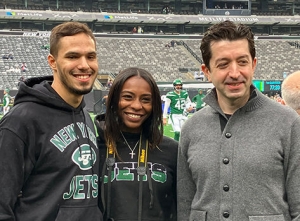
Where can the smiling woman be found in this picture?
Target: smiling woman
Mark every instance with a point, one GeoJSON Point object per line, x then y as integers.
{"type": "Point", "coordinates": [141, 161]}
{"type": "Point", "coordinates": [135, 104]}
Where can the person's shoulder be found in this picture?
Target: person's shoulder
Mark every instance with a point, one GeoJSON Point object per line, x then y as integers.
{"type": "Point", "coordinates": [197, 119]}
{"type": "Point", "coordinates": [31, 111]}
{"type": "Point", "coordinates": [184, 92]}
{"type": "Point", "coordinates": [275, 106]}
{"type": "Point", "coordinates": [170, 94]}
{"type": "Point", "coordinates": [275, 109]}
{"type": "Point", "coordinates": [285, 110]}
{"type": "Point", "coordinates": [168, 145]}
{"type": "Point", "coordinates": [20, 116]}
{"type": "Point", "coordinates": [170, 141]}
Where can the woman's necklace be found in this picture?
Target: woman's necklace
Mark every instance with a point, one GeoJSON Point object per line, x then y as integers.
{"type": "Point", "coordinates": [132, 150]}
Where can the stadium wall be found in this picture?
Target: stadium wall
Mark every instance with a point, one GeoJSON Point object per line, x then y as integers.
{"type": "Point", "coordinates": [141, 36]}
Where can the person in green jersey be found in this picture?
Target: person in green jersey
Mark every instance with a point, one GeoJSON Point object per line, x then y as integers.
{"type": "Point", "coordinates": [180, 104]}
{"type": "Point", "coordinates": [198, 100]}
{"type": "Point", "coordinates": [6, 99]}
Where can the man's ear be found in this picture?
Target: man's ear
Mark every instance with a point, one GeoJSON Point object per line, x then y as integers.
{"type": "Point", "coordinates": [206, 72]}
{"type": "Point", "coordinates": [51, 62]}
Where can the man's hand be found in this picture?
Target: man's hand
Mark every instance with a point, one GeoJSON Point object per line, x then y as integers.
{"type": "Point", "coordinates": [190, 109]}
{"type": "Point", "coordinates": [165, 121]}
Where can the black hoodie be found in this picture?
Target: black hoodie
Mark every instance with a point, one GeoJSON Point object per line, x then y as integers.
{"type": "Point", "coordinates": [50, 160]}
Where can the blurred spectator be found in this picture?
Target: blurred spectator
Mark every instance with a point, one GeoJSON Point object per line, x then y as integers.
{"type": "Point", "coordinates": [163, 99]}
{"type": "Point", "coordinates": [103, 102]}
{"type": "Point", "coordinates": [173, 43]}
{"type": "Point", "coordinates": [6, 101]}
{"type": "Point", "coordinates": [278, 98]}
{"type": "Point", "coordinates": [284, 75]}
{"type": "Point", "coordinates": [109, 84]}
{"type": "Point", "coordinates": [166, 10]}
{"type": "Point", "coordinates": [8, 56]}
{"type": "Point", "coordinates": [199, 76]}
{"type": "Point", "coordinates": [198, 100]}
{"type": "Point", "coordinates": [23, 67]}
{"type": "Point", "coordinates": [21, 79]}
{"type": "Point", "coordinates": [134, 30]}
{"type": "Point", "coordinates": [140, 30]}
{"type": "Point", "coordinates": [46, 47]}
{"type": "Point", "coordinates": [170, 44]}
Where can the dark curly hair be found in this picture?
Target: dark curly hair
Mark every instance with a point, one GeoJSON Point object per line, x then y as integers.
{"type": "Point", "coordinates": [226, 30]}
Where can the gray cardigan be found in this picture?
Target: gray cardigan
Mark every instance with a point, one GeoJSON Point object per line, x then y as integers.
{"type": "Point", "coordinates": [248, 172]}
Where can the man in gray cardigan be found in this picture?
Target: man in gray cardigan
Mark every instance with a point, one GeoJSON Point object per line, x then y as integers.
{"type": "Point", "coordinates": [239, 157]}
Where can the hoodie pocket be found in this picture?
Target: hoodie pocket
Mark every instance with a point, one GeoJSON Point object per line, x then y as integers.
{"type": "Point", "coordinates": [79, 213]}
{"type": "Point", "coordinates": [267, 218]}
{"type": "Point", "coordinates": [197, 215]}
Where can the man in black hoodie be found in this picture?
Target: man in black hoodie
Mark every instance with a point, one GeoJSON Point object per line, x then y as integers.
{"type": "Point", "coordinates": [49, 165]}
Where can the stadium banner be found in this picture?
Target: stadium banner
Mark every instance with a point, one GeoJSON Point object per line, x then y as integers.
{"type": "Point", "coordinates": [144, 18]}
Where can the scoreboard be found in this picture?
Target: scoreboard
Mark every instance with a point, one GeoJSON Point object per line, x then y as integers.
{"type": "Point", "coordinates": [272, 85]}
{"type": "Point", "coordinates": [227, 7]}
{"type": "Point", "coordinates": [267, 85]}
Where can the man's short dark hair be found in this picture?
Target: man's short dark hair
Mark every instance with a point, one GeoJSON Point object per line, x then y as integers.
{"type": "Point", "coordinates": [226, 30]}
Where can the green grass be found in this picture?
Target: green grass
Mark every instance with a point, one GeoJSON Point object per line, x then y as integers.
{"type": "Point", "coordinates": [168, 131]}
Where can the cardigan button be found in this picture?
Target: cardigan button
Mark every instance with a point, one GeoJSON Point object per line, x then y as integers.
{"type": "Point", "coordinates": [226, 188]}
{"type": "Point", "coordinates": [226, 214]}
{"type": "Point", "coordinates": [228, 135]}
{"type": "Point", "coordinates": [225, 160]}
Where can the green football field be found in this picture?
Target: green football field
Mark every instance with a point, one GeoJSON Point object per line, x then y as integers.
{"type": "Point", "coordinates": [167, 129]}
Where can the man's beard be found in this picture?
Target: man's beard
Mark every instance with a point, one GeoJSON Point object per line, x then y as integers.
{"type": "Point", "coordinates": [70, 88]}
